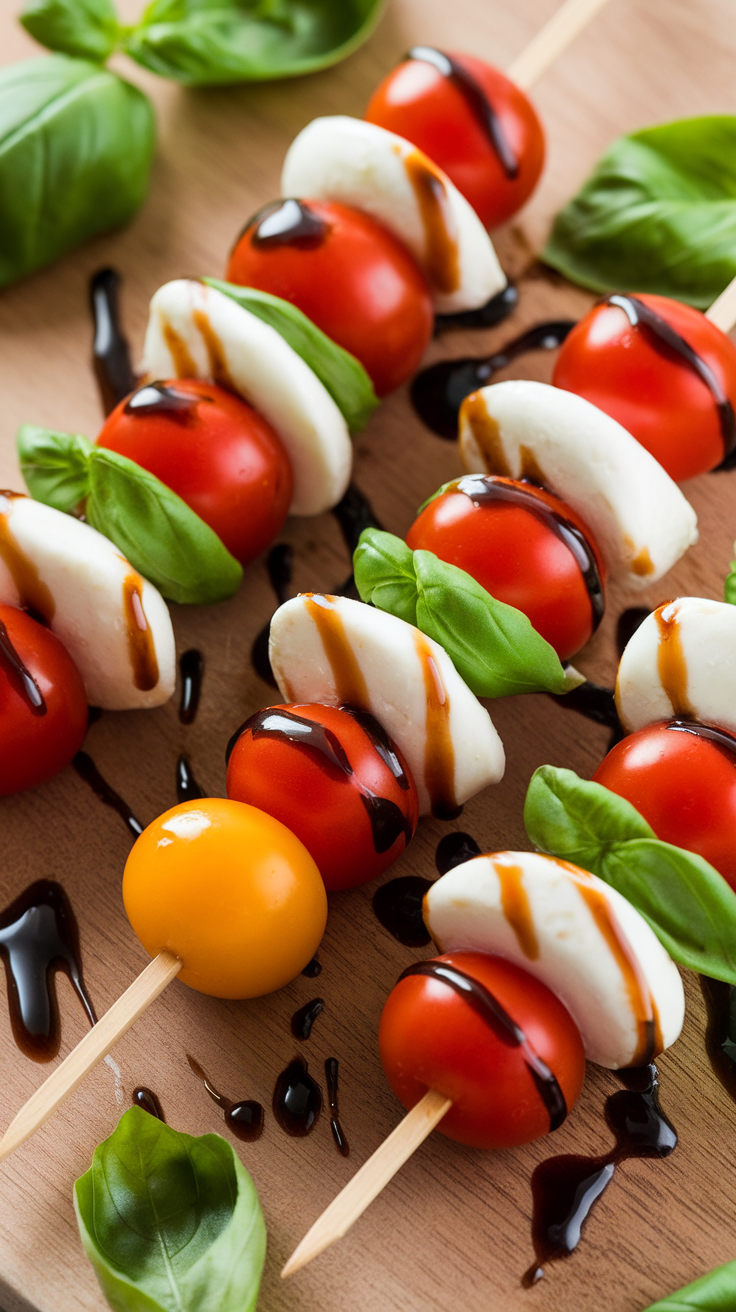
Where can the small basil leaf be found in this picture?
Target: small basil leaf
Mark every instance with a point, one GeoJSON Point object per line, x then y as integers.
{"type": "Point", "coordinates": [383, 566]}
{"type": "Point", "coordinates": [656, 215]}
{"type": "Point", "coordinates": [729, 586]}
{"type": "Point", "coordinates": [170, 1223]}
{"type": "Point", "coordinates": [211, 42]}
{"type": "Point", "coordinates": [715, 1292]}
{"type": "Point", "coordinates": [340, 373]}
{"type": "Point", "coordinates": [87, 28]}
{"type": "Point", "coordinates": [55, 466]}
{"type": "Point", "coordinates": [577, 819]}
{"type": "Point", "coordinates": [157, 532]}
{"type": "Point", "coordinates": [76, 144]}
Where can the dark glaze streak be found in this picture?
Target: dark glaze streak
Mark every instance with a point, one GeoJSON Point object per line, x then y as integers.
{"type": "Point", "coordinates": [288, 223]}
{"type": "Point", "coordinates": [87, 770]}
{"type": "Point", "coordinates": [398, 907]}
{"type": "Point", "coordinates": [110, 350]}
{"type": "Point", "coordinates": [503, 1026]}
{"type": "Point", "coordinates": [163, 399]}
{"type": "Point", "coordinates": [494, 311]}
{"type": "Point", "coordinates": [663, 337]}
{"type": "Point", "coordinates": [303, 1019]}
{"type": "Point", "coordinates": [38, 936]}
{"type": "Point", "coordinates": [438, 392]}
{"type": "Point", "coordinates": [297, 1100]}
{"type": "Point", "coordinates": [627, 624]}
{"type": "Point", "coordinates": [187, 788]}
{"type": "Point", "coordinates": [719, 737]}
{"type": "Point", "coordinates": [565, 1188]}
{"type": "Point", "coordinates": [338, 1134]}
{"type": "Point", "coordinates": [454, 850]}
{"type": "Point", "coordinates": [720, 1034]}
{"type": "Point", "coordinates": [280, 565]}
{"type": "Point", "coordinates": [148, 1102]}
{"type": "Point", "coordinates": [313, 969]}
{"type": "Point", "coordinates": [191, 669]}
{"type": "Point", "coordinates": [20, 676]}
{"type": "Point", "coordinates": [477, 101]}
{"type": "Point", "coordinates": [245, 1119]}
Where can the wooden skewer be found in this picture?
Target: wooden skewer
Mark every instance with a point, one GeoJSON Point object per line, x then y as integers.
{"type": "Point", "coordinates": [556, 35]}
{"type": "Point", "coordinates": [372, 1177]}
{"type": "Point", "coordinates": [94, 1046]}
{"type": "Point", "coordinates": [723, 310]}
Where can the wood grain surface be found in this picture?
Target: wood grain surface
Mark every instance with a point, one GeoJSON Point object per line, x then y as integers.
{"type": "Point", "coordinates": [452, 1231]}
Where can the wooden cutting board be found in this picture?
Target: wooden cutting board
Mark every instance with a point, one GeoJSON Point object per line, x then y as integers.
{"type": "Point", "coordinates": [452, 1232]}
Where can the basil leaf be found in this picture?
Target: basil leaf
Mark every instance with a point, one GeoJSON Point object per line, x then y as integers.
{"type": "Point", "coordinates": [55, 466]}
{"type": "Point", "coordinates": [715, 1292]}
{"type": "Point", "coordinates": [729, 586]}
{"type": "Point", "coordinates": [88, 28]}
{"type": "Point", "coordinates": [76, 144]}
{"type": "Point", "coordinates": [170, 1223]}
{"type": "Point", "coordinates": [158, 532]}
{"type": "Point", "coordinates": [690, 907]}
{"type": "Point", "coordinates": [656, 215]}
{"type": "Point", "coordinates": [210, 42]}
{"type": "Point", "coordinates": [493, 646]}
{"type": "Point", "coordinates": [340, 373]}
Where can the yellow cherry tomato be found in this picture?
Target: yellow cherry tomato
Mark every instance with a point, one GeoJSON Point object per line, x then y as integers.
{"type": "Point", "coordinates": [231, 891]}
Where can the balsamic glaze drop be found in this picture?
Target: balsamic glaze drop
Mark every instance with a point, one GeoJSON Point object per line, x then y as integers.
{"type": "Point", "coordinates": [288, 223]}
{"type": "Point", "coordinates": [20, 676]}
{"type": "Point", "coordinates": [297, 1100]}
{"type": "Point", "coordinates": [720, 1034]}
{"type": "Point", "coordinates": [164, 399]}
{"type": "Point", "coordinates": [244, 1118]}
{"type": "Point", "coordinates": [313, 969]}
{"type": "Point", "coordinates": [38, 936]}
{"type": "Point", "coordinates": [477, 101]}
{"type": "Point", "coordinates": [191, 670]}
{"type": "Point", "coordinates": [454, 850]}
{"type": "Point", "coordinates": [494, 311]}
{"type": "Point", "coordinates": [438, 392]}
{"type": "Point", "coordinates": [87, 770]}
{"type": "Point", "coordinates": [148, 1102]}
{"type": "Point", "coordinates": [303, 1019]}
{"type": "Point", "coordinates": [110, 350]}
{"type": "Point", "coordinates": [187, 788]}
{"type": "Point", "coordinates": [280, 565]}
{"type": "Point", "coordinates": [338, 1134]}
{"type": "Point", "coordinates": [627, 624]}
{"type": "Point", "coordinates": [398, 907]}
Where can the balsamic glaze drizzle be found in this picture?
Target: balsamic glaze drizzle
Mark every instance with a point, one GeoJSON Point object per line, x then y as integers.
{"type": "Point", "coordinates": [244, 1118]}
{"type": "Point", "coordinates": [720, 1034]}
{"type": "Point", "coordinates": [20, 676]}
{"type": "Point", "coordinates": [87, 770]}
{"type": "Point", "coordinates": [288, 223]}
{"type": "Point", "coordinates": [338, 1134]}
{"type": "Point", "coordinates": [313, 969]}
{"type": "Point", "coordinates": [191, 670]}
{"type": "Point", "coordinates": [164, 399]}
{"type": "Point", "coordinates": [303, 1019]}
{"type": "Point", "coordinates": [147, 1100]}
{"type": "Point", "coordinates": [454, 850]}
{"type": "Point", "coordinates": [480, 106]}
{"type": "Point", "coordinates": [38, 936]}
{"type": "Point", "coordinates": [280, 566]}
{"type": "Point", "coordinates": [397, 906]}
{"type": "Point", "coordinates": [110, 350]}
{"type": "Point", "coordinates": [498, 308]}
{"type": "Point", "coordinates": [719, 737]}
{"type": "Point", "coordinates": [187, 788]}
{"type": "Point", "coordinates": [297, 1100]}
{"type": "Point", "coordinates": [438, 392]}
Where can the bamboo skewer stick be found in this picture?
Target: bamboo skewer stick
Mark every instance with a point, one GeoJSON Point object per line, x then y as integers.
{"type": "Point", "coordinates": [563, 27]}
{"type": "Point", "coordinates": [723, 310]}
{"type": "Point", "coordinates": [93, 1047]}
{"type": "Point", "coordinates": [372, 1177]}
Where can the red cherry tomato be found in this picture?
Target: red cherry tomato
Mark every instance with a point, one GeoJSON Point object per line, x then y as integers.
{"type": "Point", "coordinates": [215, 451]}
{"type": "Point", "coordinates": [335, 779]}
{"type": "Point", "coordinates": [35, 743]}
{"type": "Point", "coordinates": [431, 110]}
{"type": "Point", "coordinates": [650, 389]}
{"type": "Point", "coordinates": [684, 784]}
{"type": "Point", "coordinates": [352, 278]}
{"type": "Point", "coordinates": [430, 1037]}
{"type": "Point", "coordinates": [502, 532]}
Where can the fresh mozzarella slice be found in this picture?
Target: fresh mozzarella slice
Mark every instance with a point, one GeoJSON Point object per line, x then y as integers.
{"type": "Point", "coordinates": [195, 331]}
{"type": "Point", "coordinates": [580, 937]}
{"type": "Point", "coordinates": [346, 160]}
{"type": "Point", "coordinates": [640, 519]}
{"type": "Point", "coordinates": [680, 662]}
{"type": "Point", "coordinates": [341, 652]}
{"type": "Point", "coordinates": [114, 624]}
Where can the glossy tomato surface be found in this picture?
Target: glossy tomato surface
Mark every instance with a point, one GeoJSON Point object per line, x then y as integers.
{"type": "Point", "coordinates": [501, 532]}
{"type": "Point", "coordinates": [353, 279]}
{"type": "Point", "coordinates": [649, 388]}
{"type": "Point", "coordinates": [43, 705]}
{"type": "Point", "coordinates": [336, 779]}
{"type": "Point", "coordinates": [430, 1037]}
{"type": "Point", "coordinates": [431, 110]}
{"type": "Point", "coordinates": [215, 451]}
{"type": "Point", "coordinates": [684, 784]}
{"type": "Point", "coordinates": [231, 892]}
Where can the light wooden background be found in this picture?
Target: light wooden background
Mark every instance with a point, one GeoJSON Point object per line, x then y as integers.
{"type": "Point", "coordinates": [451, 1234]}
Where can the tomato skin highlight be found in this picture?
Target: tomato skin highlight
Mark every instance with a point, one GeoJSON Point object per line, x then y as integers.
{"type": "Point", "coordinates": [515, 557]}
{"type": "Point", "coordinates": [683, 785]}
{"type": "Point", "coordinates": [655, 395]}
{"type": "Point", "coordinates": [359, 285]}
{"type": "Point", "coordinates": [419, 103]}
{"type": "Point", "coordinates": [431, 1038]}
{"type": "Point", "coordinates": [33, 748]}
{"type": "Point", "coordinates": [221, 457]}
{"type": "Point", "coordinates": [318, 801]}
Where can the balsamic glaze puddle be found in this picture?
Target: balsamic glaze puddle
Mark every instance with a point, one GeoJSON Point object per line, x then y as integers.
{"type": "Point", "coordinates": [244, 1118]}
{"type": "Point", "coordinates": [354, 514]}
{"type": "Point", "coordinates": [191, 670]}
{"type": "Point", "coordinates": [565, 1188]}
{"type": "Point", "coordinates": [720, 1034]}
{"type": "Point", "coordinates": [297, 1100]}
{"type": "Point", "coordinates": [187, 788]}
{"type": "Point", "coordinates": [303, 1019]}
{"type": "Point", "coordinates": [494, 311]}
{"type": "Point", "coordinates": [280, 566]}
{"type": "Point", "coordinates": [110, 350]}
{"type": "Point", "coordinates": [20, 676]}
{"type": "Point", "coordinates": [438, 392]}
{"type": "Point", "coordinates": [313, 969]}
{"type": "Point", "coordinates": [87, 770]}
{"type": "Point", "coordinates": [147, 1100]}
{"type": "Point", "coordinates": [398, 907]}
{"type": "Point", "coordinates": [338, 1134]}
{"type": "Point", "coordinates": [477, 101]}
{"type": "Point", "coordinates": [454, 850]}
{"type": "Point", "coordinates": [38, 936]}
{"type": "Point", "coordinates": [288, 223]}
{"type": "Point", "coordinates": [627, 624]}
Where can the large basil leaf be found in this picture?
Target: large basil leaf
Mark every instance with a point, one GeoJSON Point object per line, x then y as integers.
{"type": "Point", "coordinates": [690, 907]}
{"type": "Point", "coordinates": [492, 645]}
{"type": "Point", "coordinates": [170, 1223]}
{"type": "Point", "coordinates": [88, 28]}
{"type": "Point", "coordinates": [656, 215]}
{"type": "Point", "coordinates": [715, 1292]}
{"type": "Point", "coordinates": [210, 42]}
{"type": "Point", "coordinates": [55, 466]}
{"type": "Point", "coordinates": [729, 586]}
{"type": "Point", "coordinates": [340, 373]}
{"type": "Point", "coordinates": [76, 144]}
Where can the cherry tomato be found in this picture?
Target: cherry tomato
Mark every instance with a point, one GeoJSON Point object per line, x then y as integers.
{"type": "Point", "coordinates": [43, 705]}
{"type": "Point", "coordinates": [435, 113]}
{"type": "Point", "coordinates": [229, 890]}
{"type": "Point", "coordinates": [648, 387]}
{"type": "Point", "coordinates": [683, 781]}
{"type": "Point", "coordinates": [430, 1037]}
{"type": "Point", "coordinates": [336, 779]}
{"type": "Point", "coordinates": [215, 451]}
{"type": "Point", "coordinates": [351, 277]}
{"type": "Point", "coordinates": [506, 535]}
